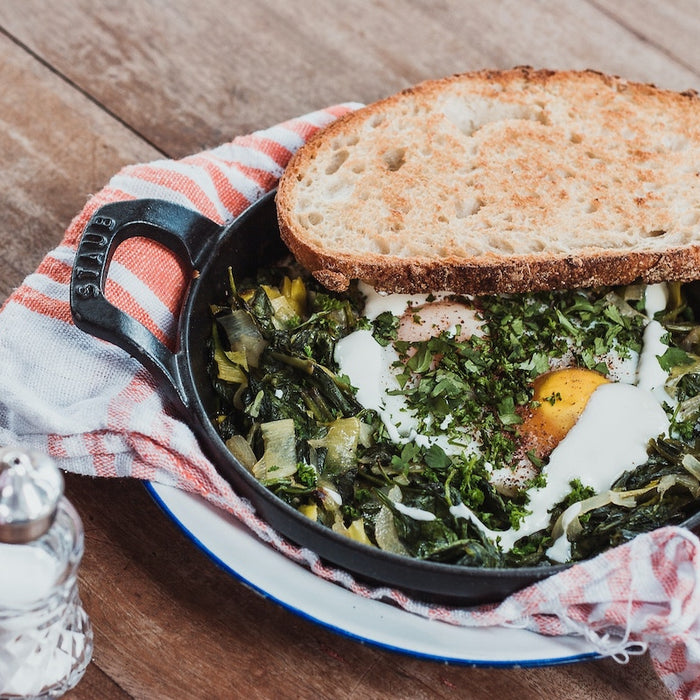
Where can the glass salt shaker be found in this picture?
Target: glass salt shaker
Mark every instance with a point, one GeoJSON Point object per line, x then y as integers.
{"type": "Point", "coordinates": [45, 634]}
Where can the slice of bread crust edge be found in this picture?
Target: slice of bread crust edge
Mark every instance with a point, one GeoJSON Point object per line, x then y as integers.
{"type": "Point", "coordinates": [646, 253]}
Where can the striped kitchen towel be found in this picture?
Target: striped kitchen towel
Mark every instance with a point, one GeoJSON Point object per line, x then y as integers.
{"type": "Point", "coordinates": [98, 412]}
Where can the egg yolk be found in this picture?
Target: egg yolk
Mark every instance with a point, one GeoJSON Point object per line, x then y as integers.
{"type": "Point", "coordinates": [558, 400]}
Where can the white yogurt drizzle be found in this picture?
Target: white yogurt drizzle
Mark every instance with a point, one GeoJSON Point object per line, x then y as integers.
{"type": "Point", "coordinates": [415, 513]}
{"type": "Point", "coordinates": [365, 362]}
{"type": "Point", "coordinates": [650, 375]}
{"type": "Point", "coordinates": [609, 438]}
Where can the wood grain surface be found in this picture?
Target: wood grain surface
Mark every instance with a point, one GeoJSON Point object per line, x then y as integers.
{"type": "Point", "coordinates": [89, 86]}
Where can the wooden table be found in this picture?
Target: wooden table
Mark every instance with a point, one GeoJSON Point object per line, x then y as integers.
{"type": "Point", "coordinates": [88, 87]}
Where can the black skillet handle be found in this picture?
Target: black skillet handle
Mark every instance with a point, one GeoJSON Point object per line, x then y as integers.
{"type": "Point", "coordinates": [187, 234]}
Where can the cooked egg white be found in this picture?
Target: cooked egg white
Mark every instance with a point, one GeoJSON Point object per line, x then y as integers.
{"type": "Point", "coordinates": [415, 513]}
{"type": "Point", "coordinates": [430, 319]}
{"type": "Point", "coordinates": [592, 428]}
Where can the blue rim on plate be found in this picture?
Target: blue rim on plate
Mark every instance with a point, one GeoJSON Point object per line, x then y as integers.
{"type": "Point", "coordinates": [272, 575]}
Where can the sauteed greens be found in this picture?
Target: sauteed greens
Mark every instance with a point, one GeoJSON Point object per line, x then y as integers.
{"type": "Point", "coordinates": [291, 418]}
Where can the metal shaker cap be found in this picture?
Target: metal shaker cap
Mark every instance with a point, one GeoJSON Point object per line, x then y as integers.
{"type": "Point", "coordinates": [31, 486]}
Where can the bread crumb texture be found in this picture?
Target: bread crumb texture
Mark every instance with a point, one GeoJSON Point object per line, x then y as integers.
{"type": "Point", "coordinates": [490, 165]}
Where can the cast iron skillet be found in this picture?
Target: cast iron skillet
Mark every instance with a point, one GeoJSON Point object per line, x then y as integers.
{"type": "Point", "coordinates": [208, 250]}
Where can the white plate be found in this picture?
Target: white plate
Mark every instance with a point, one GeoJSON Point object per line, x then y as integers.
{"type": "Point", "coordinates": [264, 569]}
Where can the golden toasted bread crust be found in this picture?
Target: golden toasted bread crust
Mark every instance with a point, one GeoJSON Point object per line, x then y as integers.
{"type": "Point", "coordinates": [501, 181]}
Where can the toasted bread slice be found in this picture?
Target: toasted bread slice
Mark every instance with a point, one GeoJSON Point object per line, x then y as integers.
{"type": "Point", "coordinates": [501, 181]}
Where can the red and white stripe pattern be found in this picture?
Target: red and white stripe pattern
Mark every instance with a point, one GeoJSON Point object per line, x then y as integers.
{"type": "Point", "coordinates": [98, 412]}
